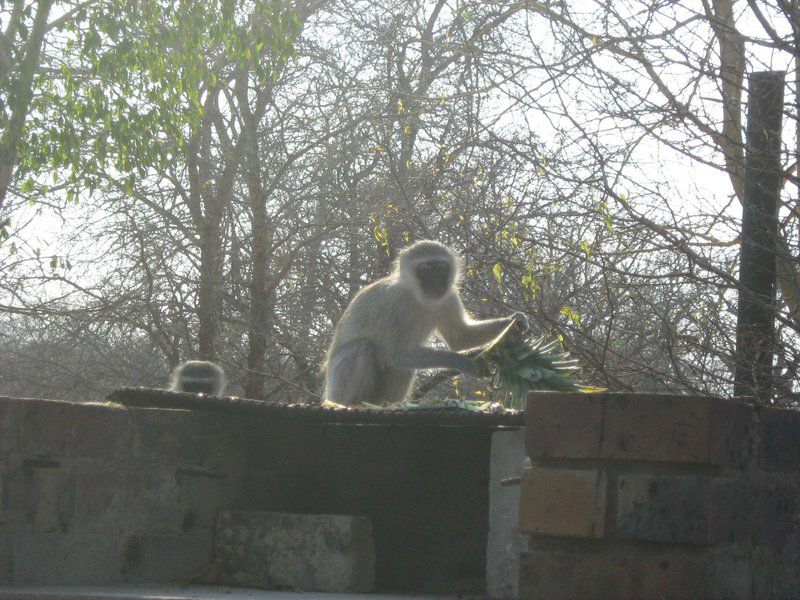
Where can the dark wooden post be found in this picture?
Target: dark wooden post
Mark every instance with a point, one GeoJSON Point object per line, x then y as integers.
{"type": "Point", "coordinates": [755, 331]}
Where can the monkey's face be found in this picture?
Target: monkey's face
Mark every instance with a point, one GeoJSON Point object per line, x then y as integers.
{"type": "Point", "coordinates": [434, 277]}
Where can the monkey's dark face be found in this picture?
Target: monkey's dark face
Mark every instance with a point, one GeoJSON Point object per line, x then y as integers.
{"type": "Point", "coordinates": [434, 277]}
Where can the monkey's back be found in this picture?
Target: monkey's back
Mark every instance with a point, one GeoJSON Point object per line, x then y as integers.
{"type": "Point", "coordinates": [381, 308]}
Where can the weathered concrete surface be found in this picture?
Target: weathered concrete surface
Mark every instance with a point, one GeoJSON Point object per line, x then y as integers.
{"type": "Point", "coordinates": [505, 543]}
{"type": "Point", "coordinates": [328, 553]}
{"type": "Point", "coordinates": [184, 593]}
{"type": "Point", "coordinates": [100, 494]}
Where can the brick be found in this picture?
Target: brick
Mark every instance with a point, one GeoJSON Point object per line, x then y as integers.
{"type": "Point", "coordinates": [162, 558]}
{"type": "Point", "coordinates": [689, 429]}
{"type": "Point", "coordinates": [66, 559]}
{"type": "Point", "coordinates": [643, 427]}
{"type": "Point", "coordinates": [549, 575]}
{"type": "Point", "coordinates": [329, 553]}
{"type": "Point", "coordinates": [664, 509]}
{"type": "Point", "coordinates": [563, 502]}
{"type": "Point", "coordinates": [779, 439]}
{"type": "Point", "coordinates": [707, 511]}
{"type": "Point", "coordinates": [564, 425]}
{"type": "Point", "coordinates": [759, 513]}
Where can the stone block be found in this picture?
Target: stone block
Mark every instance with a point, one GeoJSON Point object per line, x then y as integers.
{"type": "Point", "coordinates": [664, 509]}
{"type": "Point", "coordinates": [16, 493]}
{"type": "Point", "coordinates": [101, 496]}
{"type": "Point", "coordinates": [45, 428]}
{"type": "Point", "coordinates": [777, 582]}
{"type": "Point", "coordinates": [9, 420]}
{"type": "Point", "coordinates": [202, 495]}
{"type": "Point", "coordinates": [564, 425]}
{"type": "Point", "coordinates": [329, 553]}
{"type": "Point", "coordinates": [548, 575]}
{"type": "Point", "coordinates": [104, 432]}
{"type": "Point", "coordinates": [154, 499]}
{"type": "Point", "coordinates": [779, 439]}
{"type": "Point", "coordinates": [183, 438]}
{"type": "Point", "coordinates": [66, 559]}
{"type": "Point", "coordinates": [641, 427]}
{"type": "Point", "coordinates": [6, 558]}
{"type": "Point", "coordinates": [48, 498]}
{"type": "Point", "coordinates": [563, 502]}
{"type": "Point", "coordinates": [504, 543]}
{"type": "Point", "coordinates": [162, 558]}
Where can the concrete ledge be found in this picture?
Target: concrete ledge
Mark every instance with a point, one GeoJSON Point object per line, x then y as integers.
{"type": "Point", "coordinates": [180, 593]}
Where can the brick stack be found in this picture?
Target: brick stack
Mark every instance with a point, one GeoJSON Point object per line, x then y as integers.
{"type": "Point", "coordinates": [654, 496]}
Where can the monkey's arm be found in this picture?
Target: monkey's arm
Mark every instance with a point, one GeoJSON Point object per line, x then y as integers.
{"type": "Point", "coordinates": [460, 332]}
{"type": "Point", "coordinates": [434, 358]}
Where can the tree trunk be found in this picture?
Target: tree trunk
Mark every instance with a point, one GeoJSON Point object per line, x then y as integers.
{"type": "Point", "coordinates": [22, 98]}
{"type": "Point", "coordinates": [757, 273]}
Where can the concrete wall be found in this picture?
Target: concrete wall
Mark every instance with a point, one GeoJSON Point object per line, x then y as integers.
{"type": "Point", "coordinates": [96, 494]}
{"type": "Point", "coordinates": [643, 496]}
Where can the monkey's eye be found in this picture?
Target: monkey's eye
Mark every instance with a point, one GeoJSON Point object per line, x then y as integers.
{"type": "Point", "coordinates": [425, 269]}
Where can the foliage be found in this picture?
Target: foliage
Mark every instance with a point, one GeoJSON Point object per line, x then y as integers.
{"type": "Point", "coordinates": [519, 364]}
{"type": "Point", "coordinates": [131, 82]}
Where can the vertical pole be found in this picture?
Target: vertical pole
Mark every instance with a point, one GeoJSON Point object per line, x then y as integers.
{"type": "Point", "coordinates": [755, 331]}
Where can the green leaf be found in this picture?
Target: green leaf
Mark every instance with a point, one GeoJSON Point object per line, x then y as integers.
{"type": "Point", "coordinates": [497, 271]}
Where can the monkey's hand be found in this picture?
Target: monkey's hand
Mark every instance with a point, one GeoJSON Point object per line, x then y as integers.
{"type": "Point", "coordinates": [521, 325]}
{"type": "Point", "coordinates": [477, 367]}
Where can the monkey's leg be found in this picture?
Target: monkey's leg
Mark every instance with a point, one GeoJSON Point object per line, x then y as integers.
{"type": "Point", "coordinates": [353, 374]}
{"type": "Point", "coordinates": [395, 387]}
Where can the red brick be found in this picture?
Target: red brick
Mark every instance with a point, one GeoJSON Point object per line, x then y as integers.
{"type": "Point", "coordinates": [553, 575]}
{"type": "Point", "coordinates": [564, 425]}
{"type": "Point", "coordinates": [563, 502]}
{"type": "Point", "coordinates": [687, 429]}
{"type": "Point", "coordinates": [642, 427]}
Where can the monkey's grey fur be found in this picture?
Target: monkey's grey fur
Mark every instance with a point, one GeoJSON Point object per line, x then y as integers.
{"type": "Point", "coordinates": [198, 377]}
{"type": "Point", "coordinates": [380, 339]}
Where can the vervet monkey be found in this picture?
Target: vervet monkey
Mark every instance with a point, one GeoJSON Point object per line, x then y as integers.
{"type": "Point", "coordinates": [198, 377]}
{"type": "Point", "coordinates": [380, 340]}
